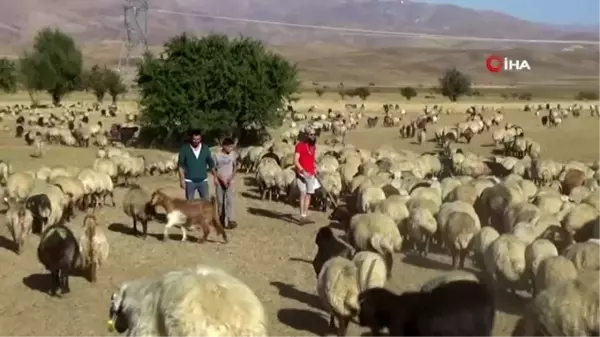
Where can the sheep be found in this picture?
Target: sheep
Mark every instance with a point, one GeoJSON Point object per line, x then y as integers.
{"type": "Point", "coordinates": [328, 246]}
{"type": "Point", "coordinates": [267, 176]}
{"type": "Point", "coordinates": [20, 221]}
{"type": "Point", "coordinates": [458, 235]}
{"type": "Point", "coordinates": [338, 290]}
{"type": "Point", "coordinates": [584, 255]}
{"type": "Point", "coordinates": [421, 226]}
{"type": "Point", "coordinates": [368, 198]}
{"type": "Point", "coordinates": [18, 185]}
{"type": "Point", "coordinates": [467, 193]}
{"type": "Point", "coordinates": [59, 201]}
{"type": "Point", "coordinates": [552, 271]}
{"type": "Point", "coordinates": [372, 271]}
{"type": "Point", "coordinates": [458, 308]}
{"type": "Point", "coordinates": [73, 188]}
{"type": "Point", "coordinates": [200, 301]}
{"type": "Point", "coordinates": [107, 166]}
{"type": "Point", "coordinates": [493, 201]}
{"type": "Point", "coordinates": [394, 206]}
{"type": "Point", "coordinates": [187, 213]}
{"type": "Point", "coordinates": [505, 262]}
{"type": "Point", "coordinates": [447, 278]}
{"type": "Point", "coordinates": [58, 251]}
{"type": "Point", "coordinates": [535, 253]}
{"type": "Point", "coordinates": [567, 309]}
{"type": "Point", "coordinates": [342, 215]}
{"type": "Point", "coordinates": [40, 148]}
{"type": "Point", "coordinates": [93, 246]}
{"type": "Point", "coordinates": [375, 232]}
{"type": "Point", "coordinates": [579, 216]}
{"type": "Point", "coordinates": [5, 170]}
{"type": "Point", "coordinates": [40, 208]}
{"type": "Point", "coordinates": [331, 187]}
{"type": "Point", "coordinates": [136, 205]}
{"type": "Point", "coordinates": [480, 243]}
{"type": "Point", "coordinates": [572, 178]}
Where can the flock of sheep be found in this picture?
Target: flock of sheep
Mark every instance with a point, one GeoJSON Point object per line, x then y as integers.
{"type": "Point", "coordinates": [527, 222]}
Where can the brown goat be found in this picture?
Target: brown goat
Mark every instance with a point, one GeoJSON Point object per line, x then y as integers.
{"type": "Point", "coordinates": [93, 246]}
{"type": "Point", "coordinates": [572, 179]}
{"type": "Point", "coordinates": [188, 214]}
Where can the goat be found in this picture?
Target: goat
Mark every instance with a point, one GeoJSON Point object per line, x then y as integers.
{"type": "Point", "coordinates": [187, 213]}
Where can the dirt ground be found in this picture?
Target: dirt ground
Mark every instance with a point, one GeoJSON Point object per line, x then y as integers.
{"type": "Point", "coordinates": [268, 251]}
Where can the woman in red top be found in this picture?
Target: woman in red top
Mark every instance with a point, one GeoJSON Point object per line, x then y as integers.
{"type": "Point", "coordinates": [305, 164]}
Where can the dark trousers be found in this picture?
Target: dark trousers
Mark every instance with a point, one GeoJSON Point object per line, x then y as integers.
{"type": "Point", "coordinates": [191, 188]}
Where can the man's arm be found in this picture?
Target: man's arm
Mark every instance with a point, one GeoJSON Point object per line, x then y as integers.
{"type": "Point", "coordinates": [210, 163]}
{"type": "Point", "coordinates": [181, 168]}
{"type": "Point", "coordinates": [299, 167]}
{"type": "Point", "coordinates": [233, 167]}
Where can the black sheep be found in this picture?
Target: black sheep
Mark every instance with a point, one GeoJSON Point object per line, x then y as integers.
{"type": "Point", "coordinates": [19, 131]}
{"type": "Point", "coordinates": [59, 252]}
{"type": "Point", "coordinates": [459, 308]}
{"type": "Point", "coordinates": [328, 246]}
{"type": "Point", "coordinates": [20, 120]}
{"type": "Point", "coordinates": [40, 208]}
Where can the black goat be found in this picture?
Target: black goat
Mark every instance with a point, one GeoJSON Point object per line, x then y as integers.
{"type": "Point", "coordinates": [459, 308]}
{"type": "Point", "coordinates": [59, 252]}
{"type": "Point", "coordinates": [328, 246]}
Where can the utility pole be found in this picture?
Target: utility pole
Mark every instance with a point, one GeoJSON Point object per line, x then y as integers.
{"type": "Point", "coordinates": [135, 37]}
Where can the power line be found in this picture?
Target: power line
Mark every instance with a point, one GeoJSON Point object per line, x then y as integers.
{"type": "Point", "coordinates": [369, 32]}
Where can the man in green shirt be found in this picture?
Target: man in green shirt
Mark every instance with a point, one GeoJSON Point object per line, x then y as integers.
{"type": "Point", "coordinates": [195, 161]}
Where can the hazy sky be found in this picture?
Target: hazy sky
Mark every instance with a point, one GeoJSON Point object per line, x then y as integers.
{"type": "Point", "coordinates": [550, 11]}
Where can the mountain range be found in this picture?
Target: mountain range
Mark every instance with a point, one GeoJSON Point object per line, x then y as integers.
{"type": "Point", "coordinates": [94, 21]}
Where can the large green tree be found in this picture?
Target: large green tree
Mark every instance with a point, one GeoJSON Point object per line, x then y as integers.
{"type": "Point", "coordinates": [8, 75]}
{"type": "Point", "coordinates": [54, 64]}
{"type": "Point", "coordinates": [222, 86]}
{"type": "Point", "coordinates": [454, 84]}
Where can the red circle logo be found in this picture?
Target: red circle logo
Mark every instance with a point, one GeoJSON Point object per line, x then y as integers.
{"type": "Point", "coordinates": [494, 63]}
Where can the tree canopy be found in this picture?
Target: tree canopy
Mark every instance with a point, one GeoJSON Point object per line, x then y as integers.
{"type": "Point", "coordinates": [408, 92]}
{"type": "Point", "coordinates": [54, 64]}
{"type": "Point", "coordinates": [8, 75]}
{"type": "Point", "coordinates": [454, 84]}
{"type": "Point", "coordinates": [217, 84]}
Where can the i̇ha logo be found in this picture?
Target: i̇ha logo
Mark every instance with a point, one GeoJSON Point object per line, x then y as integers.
{"type": "Point", "coordinates": [495, 64]}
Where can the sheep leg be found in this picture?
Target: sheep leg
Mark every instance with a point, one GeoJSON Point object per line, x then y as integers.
{"type": "Point", "coordinates": [331, 322]}
{"type": "Point", "coordinates": [462, 257]}
{"type": "Point", "coordinates": [64, 281]}
{"type": "Point", "coordinates": [343, 326]}
{"type": "Point", "coordinates": [112, 198]}
{"type": "Point", "coordinates": [93, 270]}
{"type": "Point", "coordinates": [144, 228]}
{"type": "Point", "coordinates": [134, 230]}
{"type": "Point", "coordinates": [455, 259]}
{"type": "Point", "coordinates": [426, 245]}
{"type": "Point", "coordinates": [54, 282]}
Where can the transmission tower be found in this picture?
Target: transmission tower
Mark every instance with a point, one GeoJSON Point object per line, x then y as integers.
{"type": "Point", "coordinates": [135, 37]}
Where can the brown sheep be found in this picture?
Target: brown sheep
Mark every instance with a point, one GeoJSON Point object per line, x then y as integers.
{"type": "Point", "coordinates": [572, 179]}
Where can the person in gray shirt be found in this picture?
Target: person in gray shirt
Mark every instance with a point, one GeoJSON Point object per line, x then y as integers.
{"type": "Point", "coordinates": [226, 166]}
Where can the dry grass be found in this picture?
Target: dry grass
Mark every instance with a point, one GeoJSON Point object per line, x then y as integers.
{"type": "Point", "coordinates": [268, 250]}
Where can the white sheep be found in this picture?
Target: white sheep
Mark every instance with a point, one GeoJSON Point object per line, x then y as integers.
{"type": "Point", "coordinates": [535, 253]}
{"type": "Point", "coordinates": [579, 216]}
{"type": "Point", "coordinates": [368, 198]}
{"type": "Point", "coordinates": [480, 243]}
{"type": "Point", "coordinates": [201, 301]}
{"type": "Point", "coordinates": [552, 271]}
{"type": "Point", "coordinates": [584, 255]}
{"type": "Point", "coordinates": [19, 185]}
{"type": "Point", "coordinates": [372, 271]}
{"type": "Point", "coordinates": [567, 309]}
{"type": "Point", "coordinates": [338, 290]}
{"type": "Point", "coordinates": [421, 226]}
{"type": "Point", "coordinates": [452, 276]}
{"type": "Point", "coordinates": [458, 234]}
{"type": "Point", "coordinates": [505, 262]}
{"type": "Point", "coordinates": [375, 232]}
{"type": "Point", "coordinates": [394, 206]}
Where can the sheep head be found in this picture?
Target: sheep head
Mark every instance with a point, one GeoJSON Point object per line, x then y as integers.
{"type": "Point", "coordinates": [118, 319]}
